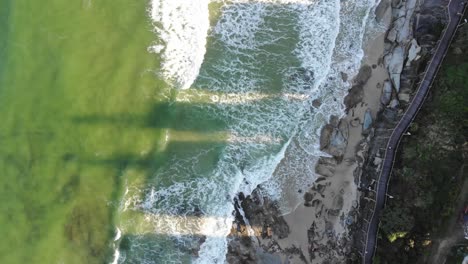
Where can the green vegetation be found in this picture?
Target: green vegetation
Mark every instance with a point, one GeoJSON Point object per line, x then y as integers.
{"type": "Point", "coordinates": [428, 175]}
{"type": "Point", "coordinates": [453, 104]}
{"type": "Point", "coordinates": [397, 222]}
{"type": "Point", "coordinates": [457, 254]}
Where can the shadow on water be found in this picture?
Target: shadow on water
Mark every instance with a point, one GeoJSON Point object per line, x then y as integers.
{"type": "Point", "coordinates": [151, 163]}
{"type": "Point", "coordinates": [188, 117]}
{"type": "Point", "coordinates": [196, 117]}
{"type": "Point", "coordinates": [178, 116]}
{"type": "Point", "coordinates": [140, 248]}
{"type": "Point", "coordinates": [144, 247]}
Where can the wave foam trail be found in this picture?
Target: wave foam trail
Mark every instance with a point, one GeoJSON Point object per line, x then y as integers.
{"type": "Point", "coordinates": [265, 61]}
{"type": "Point", "coordinates": [182, 27]}
{"type": "Point", "coordinates": [347, 56]}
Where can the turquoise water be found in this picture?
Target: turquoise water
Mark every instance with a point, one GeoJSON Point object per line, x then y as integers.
{"type": "Point", "coordinates": [107, 157]}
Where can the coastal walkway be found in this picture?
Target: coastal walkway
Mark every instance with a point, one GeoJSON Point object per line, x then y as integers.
{"type": "Point", "coordinates": [455, 9]}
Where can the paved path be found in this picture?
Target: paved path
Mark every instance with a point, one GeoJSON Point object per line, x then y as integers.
{"type": "Point", "coordinates": [455, 7]}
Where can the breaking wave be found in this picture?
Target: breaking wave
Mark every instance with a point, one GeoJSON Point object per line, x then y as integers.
{"type": "Point", "coordinates": [256, 71]}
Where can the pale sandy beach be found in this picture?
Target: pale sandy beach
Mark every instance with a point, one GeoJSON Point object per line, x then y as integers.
{"type": "Point", "coordinates": [335, 193]}
{"type": "Point", "coordinates": [332, 208]}
{"type": "Point", "coordinates": [318, 230]}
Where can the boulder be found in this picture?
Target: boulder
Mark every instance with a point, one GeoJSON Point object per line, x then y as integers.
{"type": "Point", "coordinates": [386, 93]}
{"type": "Point", "coordinates": [356, 93]}
{"type": "Point", "coordinates": [405, 97]}
{"type": "Point", "coordinates": [364, 74]}
{"type": "Point", "coordinates": [316, 103]}
{"type": "Point", "coordinates": [337, 139]}
{"type": "Point", "coordinates": [367, 124]}
{"type": "Point", "coordinates": [334, 137]}
{"type": "Point", "coordinates": [354, 96]}
{"type": "Point", "coordinates": [377, 161]}
{"type": "Point", "coordinates": [325, 166]}
{"type": "Point", "coordinates": [325, 136]}
{"type": "Point", "coordinates": [337, 145]}
{"type": "Point", "coordinates": [402, 25]}
{"type": "Point", "coordinates": [394, 62]}
{"type": "Point", "coordinates": [394, 103]}
{"type": "Point", "coordinates": [381, 10]}
{"type": "Point", "coordinates": [344, 128]}
{"type": "Point", "coordinates": [334, 120]}
{"type": "Point", "coordinates": [413, 52]}
{"type": "Point", "coordinates": [392, 35]}
{"type": "Point", "coordinates": [344, 76]}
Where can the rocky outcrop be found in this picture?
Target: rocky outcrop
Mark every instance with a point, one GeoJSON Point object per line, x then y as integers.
{"type": "Point", "coordinates": [326, 166]}
{"type": "Point", "coordinates": [265, 221]}
{"type": "Point", "coordinates": [399, 37]}
{"type": "Point", "coordinates": [402, 62]}
{"type": "Point", "coordinates": [394, 62]}
{"type": "Point", "coordinates": [413, 52]}
{"type": "Point", "coordinates": [334, 137]}
{"type": "Point", "coordinates": [355, 94]}
{"type": "Point", "coordinates": [408, 46]}
{"type": "Point", "coordinates": [386, 93]}
{"type": "Point", "coordinates": [394, 103]}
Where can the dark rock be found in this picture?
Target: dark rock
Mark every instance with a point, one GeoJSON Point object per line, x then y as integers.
{"type": "Point", "coordinates": [308, 197]}
{"type": "Point", "coordinates": [325, 136]}
{"type": "Point", "coordinates": [325, 166]}
{"type": "Point", "coordinates": [316, 103]}
{"type": "Point", "coordinates": [365, 72]}
{"type": "Point", "coordinates": [267, 212]}
{"type": "Point", "coordinates": [344, 76]}
{"type": "Point", "coordinates": [354, 96]}
{"type": "Point", "coordinates": [334, 121]}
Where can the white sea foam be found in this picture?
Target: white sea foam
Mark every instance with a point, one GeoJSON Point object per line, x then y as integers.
{"type": "Point", "coordinates": [249, 39]}
{"type": "Point", "coordinates": [182, 28]}
{"type": "Point", "coordinates": [116, 250]}
{"type": "Point", "coordinates": [303, 154]}
{"type": "Point", "coordinates": [266, 61]}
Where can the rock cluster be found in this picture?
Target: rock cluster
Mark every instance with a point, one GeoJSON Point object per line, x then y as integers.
{"type": "Point", "coordinates": [355, 94]}
{"type": "Point", "coordinates": [414, 32]}
{"type": "Point", "coordinates": [265, 221]}
{"type": "Point", "coordinates": [334, 137]}
{"type": "Point", "coordinates": [400, 47]}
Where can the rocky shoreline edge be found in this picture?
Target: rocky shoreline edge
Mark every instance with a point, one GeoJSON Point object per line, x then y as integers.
{"type": "Point", "coordinates": [327, 227]}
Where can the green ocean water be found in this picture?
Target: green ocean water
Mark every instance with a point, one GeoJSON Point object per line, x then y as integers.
{"type": "Point", "coordinates": [77, 90]}
{"type": "Point", "coordinates": [94, 142]}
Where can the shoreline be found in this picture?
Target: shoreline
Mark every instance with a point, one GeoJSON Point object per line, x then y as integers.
{"type": "Point", "coordinates": [328, 216]}
{"type": "Point", "coordinates": [318, 230]}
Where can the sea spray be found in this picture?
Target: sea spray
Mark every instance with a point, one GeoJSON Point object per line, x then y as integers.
{"type": "Point", "coordinates": [182, 27]}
